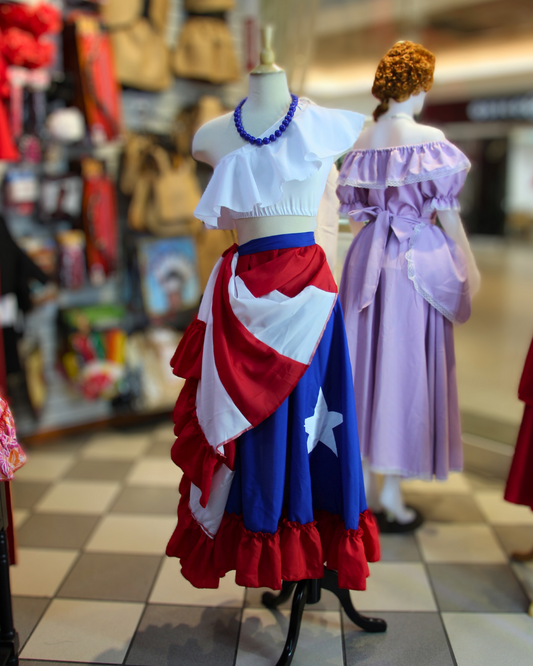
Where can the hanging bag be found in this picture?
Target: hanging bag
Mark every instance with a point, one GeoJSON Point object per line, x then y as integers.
{"type": "Point", "coordinates": [205, 51]}
{"type": "Point", "coordinates": [208, 6]}
{"type": "Point", "coordinates": [141, 57]}
{"type": "Point", "coordinates": [174, 197]}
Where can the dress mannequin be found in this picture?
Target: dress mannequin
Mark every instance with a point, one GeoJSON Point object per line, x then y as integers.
{"type": "Point", "coordinates": [266, 427]}
{"type": "Point", "coordinates": [268, 101]}
{"type": "Point", "coordinates": [395, 128]}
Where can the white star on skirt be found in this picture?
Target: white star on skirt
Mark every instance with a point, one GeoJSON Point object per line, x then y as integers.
{"type": "Point", "coordinates": [320, 426]}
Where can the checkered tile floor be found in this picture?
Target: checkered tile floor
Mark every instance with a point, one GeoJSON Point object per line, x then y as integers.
{"type": "Point", "coordinates": [92, 586]}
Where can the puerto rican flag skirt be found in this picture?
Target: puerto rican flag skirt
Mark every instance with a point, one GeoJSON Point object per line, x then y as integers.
{"type": "Point", "coordinates": [266, 426]}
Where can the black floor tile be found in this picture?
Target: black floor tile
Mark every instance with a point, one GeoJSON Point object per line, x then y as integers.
{"type": "Point", "coordinates": [44, 530]}
{"type": "Point", "coordinates": [515, 537]}
{"type": "Point", "coordinates": [185, 635]}
{"type": "Point", "coordinates": [27, 611]}
{"type": "Point", "coordinates": [144, 500]}
{"type": "Point", "coordinates": [477, 588]}
{"type": "Point", "coordinates": [111, 577]}
{"type": "Point", "coordinates": [161, 448]}
{"type": "Point", "coordinates": [399, 548]}
{"type": "Point", "coordinates": [27, 493]}
{"type": "Point", "coordinates": [96, 470]}
{"type": "Point", "coordinates": [411, 639]}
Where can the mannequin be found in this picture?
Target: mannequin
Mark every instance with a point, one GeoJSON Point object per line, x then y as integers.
{"type": "Point", "coordinates": [266, 104]}
{"type": "Point", "coordinates": [397, 143]}
{"type": "Point", "coordinates": [266, 429]}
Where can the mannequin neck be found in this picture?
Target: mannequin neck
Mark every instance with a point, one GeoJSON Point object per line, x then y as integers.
{"type": "Point", "coordinates": [407, 108]}
{"type": "Point", "coordinates": [268, 100]}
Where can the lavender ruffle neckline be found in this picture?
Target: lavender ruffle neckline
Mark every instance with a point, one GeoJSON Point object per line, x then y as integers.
{"type": "Point", "coordinates": [378, 168]}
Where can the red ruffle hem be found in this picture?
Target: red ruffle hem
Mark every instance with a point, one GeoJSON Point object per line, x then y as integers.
{"type": "Point", "coordinates": [191, 450]}
{"type": "Point", "coordinates": [295, 552]}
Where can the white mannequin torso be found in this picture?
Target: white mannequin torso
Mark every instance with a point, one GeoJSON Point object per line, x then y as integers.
{"type": "Point", "coordinates": [268, 101]}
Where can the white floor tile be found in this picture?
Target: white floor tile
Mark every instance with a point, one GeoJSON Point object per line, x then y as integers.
{"type": "Point", "coordinates": [107, 446]}
{"type": "Point", "coordinates": [490, 639]}
{"type": "Point", "coordinates": [132, 534]}
{"type": "Point", "coordinates": [395, 586]}
{"type": "Point", "coordinates": [160, 472]}
{"type": "Point", "coordinates": [87, 631]}
{"type": "Point", "coordinates": [85, 497]}
{"type": "Point", "coordinates": [263, 635]}
{"type": "Point", "coordinates": [172, 588]}
{"type": "Point", "coordinates": [20, 516]}
{"type": "Point", "coordinates": [466, 543]}
{"type": "Point", "coordinates": [45, 466]}
{"type": "Point", "coordinates": [40, 571]}
{"type": "Point", "coordinates": [499, 512]}
{"type": "Point", "coordinates": [455, 483]}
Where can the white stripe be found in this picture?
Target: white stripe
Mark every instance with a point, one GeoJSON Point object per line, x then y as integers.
{"type": "Point", "coordinates": [218, 416]}
{"type": "Point", "coordinates": [211, 517]}
{"type": "Point", "coordinates": [290, 326]}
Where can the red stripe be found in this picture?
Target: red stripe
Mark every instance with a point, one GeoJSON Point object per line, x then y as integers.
{"type": "Point", "coordinates": [256, 377]}
{"type": "Point", "coordinates": [288, 271]}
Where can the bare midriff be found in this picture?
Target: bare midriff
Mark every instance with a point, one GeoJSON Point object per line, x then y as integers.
{"type": "Point", "coordinates": [250, 228]}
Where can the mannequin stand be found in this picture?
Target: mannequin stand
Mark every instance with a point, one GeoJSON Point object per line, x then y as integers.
{"type": "Point", "coordinates": [9, 640]}
{"type": "Point", "coordinates": [308, 591]}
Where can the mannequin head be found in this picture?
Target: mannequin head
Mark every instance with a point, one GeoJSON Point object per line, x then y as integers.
{"type": "Point", "coordinates": [406, 69]}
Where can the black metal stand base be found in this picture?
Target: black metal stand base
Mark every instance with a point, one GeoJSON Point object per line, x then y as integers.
{"type": "Point", "coordinates": [308, 591]}
{"type": "Point", "coordinates": [9, 640]}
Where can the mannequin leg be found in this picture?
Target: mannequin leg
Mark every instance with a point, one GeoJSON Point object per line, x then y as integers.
{"type": "Point", "coordinates": [371, 488]}
{"type": "Point", "coordinates": [392, 501]}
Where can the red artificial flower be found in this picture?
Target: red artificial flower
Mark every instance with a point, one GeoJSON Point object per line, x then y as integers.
{"type": "Point", "coordinates": [20, 48]}
{"type": "Point", "coordinates": [37, 20]}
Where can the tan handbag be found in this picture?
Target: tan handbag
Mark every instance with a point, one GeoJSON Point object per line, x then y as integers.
{"type": "Point", "coordinates": [135, 150]}
{"type": "Point", "coordinates": [189, 121]}
{"type": "Point", "coordinates": [158, 15]}
{"type": "Point", "coordinates": [120, 13]}
{"type": "Point", "coordinates": [141, 57]}
{"type": "Point", "coordinates": [205, 51]}
{"type": "Point", "coordinates": [175, 195]}
{"type": "Point", "coordinates": [164, 198]}
{"type": "Point", "coordinates": [207, 6]}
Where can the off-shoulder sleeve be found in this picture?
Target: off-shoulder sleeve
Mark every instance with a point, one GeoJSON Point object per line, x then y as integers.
{"type": "Point", "coordinates": [252, 176]}
{"type": "Point", "coordinates": [443, 193]}
{"type": "Point", "coordinates": [353, 201]}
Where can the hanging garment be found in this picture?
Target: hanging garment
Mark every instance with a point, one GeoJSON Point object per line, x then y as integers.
{"type": "Point", "coordinates": [519, 488]}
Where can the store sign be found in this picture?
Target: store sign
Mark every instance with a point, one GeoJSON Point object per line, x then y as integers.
{"type": "Point", "coordinates": [519, 107]}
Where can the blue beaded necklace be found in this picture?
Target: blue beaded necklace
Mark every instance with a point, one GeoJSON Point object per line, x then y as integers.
{"type": "Point", "coordinates": [268, 139]}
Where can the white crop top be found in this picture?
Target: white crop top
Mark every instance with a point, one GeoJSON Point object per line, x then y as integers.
{"type": "Point", "coordinates": [286, 177]}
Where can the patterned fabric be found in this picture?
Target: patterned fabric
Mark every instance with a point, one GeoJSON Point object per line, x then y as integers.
{"type": "Point", "coordinates": [266, 426]}
{"type": "Point", "coordinates": [12, 457]}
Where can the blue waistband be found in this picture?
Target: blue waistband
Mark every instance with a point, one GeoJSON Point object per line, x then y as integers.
{"type": "Point", "coordinates": [280, 242]}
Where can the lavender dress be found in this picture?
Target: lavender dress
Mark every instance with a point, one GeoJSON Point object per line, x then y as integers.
{"type": "Point", "coordinates": [404, 283]}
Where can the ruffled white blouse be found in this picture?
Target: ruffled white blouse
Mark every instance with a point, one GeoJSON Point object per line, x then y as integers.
{"type": "Point", "coordinates": [287, 177]}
